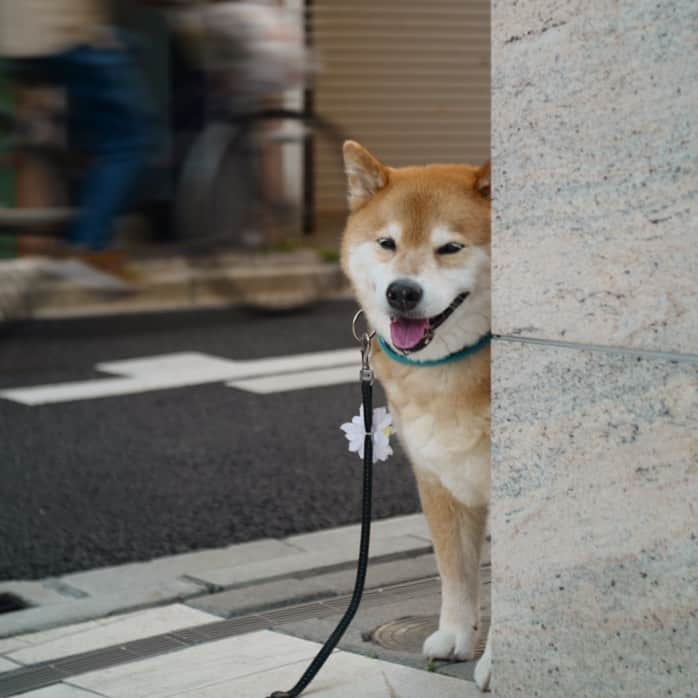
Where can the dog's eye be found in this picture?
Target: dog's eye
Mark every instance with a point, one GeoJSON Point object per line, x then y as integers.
{"type": "Point", "coordinates": [450, 248]}
{"type": "Point", "coordinates": [386, 243]}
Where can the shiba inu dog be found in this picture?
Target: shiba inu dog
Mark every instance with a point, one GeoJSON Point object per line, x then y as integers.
{"type": "Point", "coordinates": [416, 248]}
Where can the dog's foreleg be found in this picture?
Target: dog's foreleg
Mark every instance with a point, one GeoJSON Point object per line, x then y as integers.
{"type": "Point", "coordinates": [457, 533]}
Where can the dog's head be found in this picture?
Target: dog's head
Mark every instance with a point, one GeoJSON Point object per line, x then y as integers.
{"type": "Point", "coordinates": [417, 250]}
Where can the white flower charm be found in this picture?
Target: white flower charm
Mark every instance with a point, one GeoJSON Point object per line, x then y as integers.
{"type": "Point", "coordinates": [382, 427]}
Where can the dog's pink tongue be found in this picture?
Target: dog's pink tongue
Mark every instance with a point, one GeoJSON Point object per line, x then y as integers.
{"type": "Point", "coordinates": [405, 333]}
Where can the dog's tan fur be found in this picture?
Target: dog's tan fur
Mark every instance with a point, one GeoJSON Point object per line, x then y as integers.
{"type": "Point", "coordinates": [442, 413]}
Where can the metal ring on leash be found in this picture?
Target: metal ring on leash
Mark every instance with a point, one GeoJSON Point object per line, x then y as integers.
{"type": "Point", "coordinates": [366, 373]}
{"type": "Point", "coordinates": [367, 333]}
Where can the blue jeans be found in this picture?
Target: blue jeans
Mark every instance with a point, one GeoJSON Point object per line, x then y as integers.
{"type": "Point", "coordinates": [111, 121]}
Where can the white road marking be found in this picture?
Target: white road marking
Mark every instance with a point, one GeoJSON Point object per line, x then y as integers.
{"type": "Point", "coordinates": [298, 381]}
{"type": "Point", "coordinates": [183, 369]}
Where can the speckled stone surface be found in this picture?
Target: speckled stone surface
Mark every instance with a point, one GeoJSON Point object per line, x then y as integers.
{"type": "Point", "coordinates": [595, 524]}
{"type": "Point", "coordinates": [595, 147]}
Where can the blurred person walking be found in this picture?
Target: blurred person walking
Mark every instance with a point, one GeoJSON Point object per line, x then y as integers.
{"type": "Point", "coordinates": [248, 55]}
{"type": "Point", "coordinates": [73, 43]}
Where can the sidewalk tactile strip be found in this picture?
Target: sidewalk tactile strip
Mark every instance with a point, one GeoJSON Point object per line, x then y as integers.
{"type": "Point", "coordinates": [386, 595]}
{"type": "Point", "coordinates": [91, 661]}
{"type": "Point", "coordinates": [189, 636]}
{"type": "Point", "coordinates": [39, 675]}
{"type": "Point", "coordinates": [23, 680]}
{"type": "Point", "coordinates": [155, 645]}
{"type": "Point", "coordinates": [288, 615]}
{"type": "Point", "coordinates": [348, 566]}
{"type": "Point", "coordinates": [233, 626]}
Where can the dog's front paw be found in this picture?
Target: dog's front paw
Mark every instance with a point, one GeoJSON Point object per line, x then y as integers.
{"type": "Point", "coordinates": [483, 669]}
{"type": "Point", "coordinates": [483, 672]}
{"type": "Point", "coordinates": [448, 643]}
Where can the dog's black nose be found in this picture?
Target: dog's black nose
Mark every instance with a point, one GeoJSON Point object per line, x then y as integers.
{"type": "Point", "coordinates": [404, 294]}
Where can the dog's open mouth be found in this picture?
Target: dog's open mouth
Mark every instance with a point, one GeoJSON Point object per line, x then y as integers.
{"type": "Point", "coordinates": [412, 334]}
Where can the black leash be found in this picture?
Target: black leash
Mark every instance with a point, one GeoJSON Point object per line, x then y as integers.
{"type": "Point", "coordinates": [366, 376]}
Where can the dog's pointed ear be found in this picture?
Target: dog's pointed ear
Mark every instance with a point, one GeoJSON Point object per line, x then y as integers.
{"type": "Point", "coordinates": [365, 174]}
{"type": "Point", "coordinates": [482, 180]}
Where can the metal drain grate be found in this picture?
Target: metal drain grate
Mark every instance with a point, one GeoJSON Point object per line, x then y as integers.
{"type": "Point", "coordinates": [23, 680]}
{"type": "Point", "coordinates": [151, 646]}
{"type": "Point", "coordinates": [189, 636]}
{"type": "Point", "coordinates": [91, 661]}
{"type": "Point", "coordinates": [234, 626]}
{"type": "Point", "coordinates": [279, 616]}
{"type": "Point", "coordinates": [37, 676]}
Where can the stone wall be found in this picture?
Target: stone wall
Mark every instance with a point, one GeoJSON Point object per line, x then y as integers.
{"type": "Point", "coordinates": [595, 373]}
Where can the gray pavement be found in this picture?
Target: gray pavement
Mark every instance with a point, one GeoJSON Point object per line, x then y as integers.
{"type": "Point", "coordinates": [18, 280]}
{"type": "Point", "coordinates": [300, 590]}
{"type": "Point", "coordinates": [186, 618]}
{"type": "Point", "coordinates": [45, 288]}
{"type": "Point", "coordinates": [187, 461]}
{"type": "Point", "coordinates": [226, 580]}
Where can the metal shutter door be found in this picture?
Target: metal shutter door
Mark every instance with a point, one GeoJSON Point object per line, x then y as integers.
{"type": "Point", "coordinates": [410, 80]}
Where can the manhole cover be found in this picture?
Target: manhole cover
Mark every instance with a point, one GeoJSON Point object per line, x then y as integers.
{"type": "Point", "coordinates": [405, 634]}
{"type": "Point", "coordinates": [11, 602]}
{"type": "Point", "coordinates": [408, 634]}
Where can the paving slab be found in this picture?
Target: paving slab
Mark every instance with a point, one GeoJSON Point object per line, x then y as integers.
{"type": "Point", "coordinates": [7, 665]}
{"type": "Point", "coordinates": [197, 667]}
{"type": "Point", "coordinates": [305, 588]}
{"type": "Point", "coordinates": [92, 635]}
{"type": "Point", "coordinates": [10, 644]}
{"type": "Point", "coordinates": [248, 599]}
{"type": "Point", "coordinates": [60, 690]}
{"type": "Point", "coordinates": [144, 575]}
{"type": "Point", "coordinates": [256, 664]}
{"type": "Point", "coordinates": [348, 536]}
{"type": "Point", "coordinates": [39, 593]}
{"type": "Point", "coordinates": [35, 619]}
{"type": "Point", "coordinates": [325, 556]}
{"type": "Point", "coordinates": [345, 676]}
{"type": "Point", "coordinates": [380, 574]}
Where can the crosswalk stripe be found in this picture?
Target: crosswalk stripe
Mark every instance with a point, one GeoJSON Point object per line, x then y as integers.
{"type": "Point", "coordinates": [182, 369]}
{"type": "Point", "coordinates": [298, 381]}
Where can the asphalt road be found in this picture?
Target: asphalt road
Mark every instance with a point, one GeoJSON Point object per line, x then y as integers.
{"type": "Point", "coordinates": [118, 479]}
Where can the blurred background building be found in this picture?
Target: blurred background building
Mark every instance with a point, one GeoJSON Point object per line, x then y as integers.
{"type": "Point", "coordinates": [408, 79]}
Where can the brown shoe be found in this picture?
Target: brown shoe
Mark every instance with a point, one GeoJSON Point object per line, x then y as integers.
{"type": "Point", "coordinates": [39, 246]}
{"type": "Point", "coordinates": [112, 262]}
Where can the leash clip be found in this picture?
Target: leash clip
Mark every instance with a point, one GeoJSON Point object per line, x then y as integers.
{"type": "Point", "coordinates": [365, 337]}
{"type": "Point", "coordinates": [366, 373]}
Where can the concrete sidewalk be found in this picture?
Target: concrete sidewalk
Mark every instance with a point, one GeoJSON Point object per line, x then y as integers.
{"type": "Point", "coordinates": [18, 280]}
{"type": "Point", "coordinates": [238, 621]}
{"type": "Point", "coordinates": [44, 288]}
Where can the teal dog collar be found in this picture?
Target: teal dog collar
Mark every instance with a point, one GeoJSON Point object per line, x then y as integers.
{"type": "Point", "coordinates": [457, 356]}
